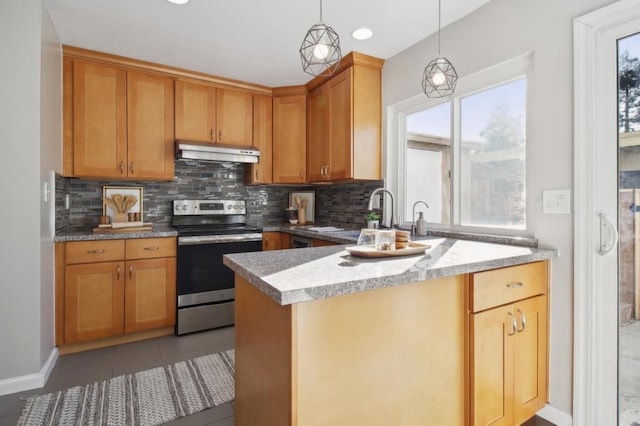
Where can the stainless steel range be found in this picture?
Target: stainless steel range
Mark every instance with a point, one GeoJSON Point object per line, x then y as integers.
{"type": "Point", "coordinates": [207, 230]}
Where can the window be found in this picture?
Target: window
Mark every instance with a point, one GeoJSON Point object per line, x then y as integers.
{"type": "Point", "coordinates": [466, 156]}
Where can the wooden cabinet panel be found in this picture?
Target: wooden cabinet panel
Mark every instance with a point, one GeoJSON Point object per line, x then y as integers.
{"type": "Point", "coordinates": [94, 301]}
{"type": "Point", "coordinates": [341, 121]}
{"type": "Point", "coordinates": [262, 172]}
{"type": "Point", "coordinates": [147, 248]}
{"type": "Point", "coordinates": [195, 118]}
{"type": "Point", "coordinates": [234, 117]}
{"type": "Point", "coordinates": [506, 285]}
{"type": "Point", "coordinates": [150, 296]}
{"type": "Point", "coordinates": [367, 122]}
{"type": "Point", "coordinates": [271, 241]}
{"type": "Point", "coordinates": [492, 367]}
{"type": "Point", "coordinates": [150, 137]}
{"type": "Point", "coordinates": [530, 358]}
{"type": "Point", "coordinates": [289, 139]}
{"type": "Point", "coordinates": [99, 120]}
{"type": "Point", "coordinates": [94, 251]}
{"type": "Point", "coordinates": [318, 149]}
{"type": "Point", "coordinates": [321, 243]}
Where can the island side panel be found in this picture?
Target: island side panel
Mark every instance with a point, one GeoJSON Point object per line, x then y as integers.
{"type": "Point", "coordinates": [389, 356]}
{"type": "Point", "coordinates": [264, 377]}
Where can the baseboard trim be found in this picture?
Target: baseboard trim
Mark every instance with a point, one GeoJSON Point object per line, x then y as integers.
{"type": "Point", "coordinates": [30, 381]}
{"type": "Point", "coordinates": [555, 416]}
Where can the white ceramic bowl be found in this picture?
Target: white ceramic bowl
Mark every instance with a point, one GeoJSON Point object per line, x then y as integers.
{"type": "Point", "coordinates": [293, 221]}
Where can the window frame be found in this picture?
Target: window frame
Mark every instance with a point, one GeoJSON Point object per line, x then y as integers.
{"type": "Point", "coordinates": [395, 175]}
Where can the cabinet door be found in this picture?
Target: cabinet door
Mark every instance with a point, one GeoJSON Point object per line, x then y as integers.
{"type": "Point", "coordinates": [318, 141]}
{"type": "Point", "coordinates": [195, 112]}
{"type": "Point", "coordinates": [99, 121]}
{"type": "Point", "coordinates": [150, 122]}
{"type": "Point", "coordinates": [150, 294]}
{"type": "Point", "coordinates": [530, 358]}
{"type": "Point", "coordinates": [492, 367]}
{"type": "Point", "coordinates": [271, 241]}
{"type": "Point", "coordinates": [341, 121]}
{"type": "Point", "coordinates": [322, 243]}
{"type": "Point", "coordinates": [234, 117]}
{"type": "Point", "coordinates": [94, 301]}
{"type": "Point", "coordinates": [289, 139]}
{"type": "Point", "coordinates": [262, 172]}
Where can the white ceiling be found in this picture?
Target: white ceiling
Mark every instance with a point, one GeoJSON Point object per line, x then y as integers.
{"type": "Point", "coordinates": [250, 40]}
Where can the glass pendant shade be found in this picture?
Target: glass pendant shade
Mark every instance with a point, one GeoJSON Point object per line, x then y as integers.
{"type": "Point", "coordinates": [439, 78]}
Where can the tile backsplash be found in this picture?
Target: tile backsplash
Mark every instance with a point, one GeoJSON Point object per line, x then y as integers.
{"type": "Point", "coordinates": [340, 205]}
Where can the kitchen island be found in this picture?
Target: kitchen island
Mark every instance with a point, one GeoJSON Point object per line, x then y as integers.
{"type": "Point", "coordinates": [323, 337]}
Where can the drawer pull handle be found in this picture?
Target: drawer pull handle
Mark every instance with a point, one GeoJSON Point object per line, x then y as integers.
{"type": "Point", "coordinates": [100, 251]}
{"type": "Point", "coordinates": [152, 248]}
{"type": "Point", "coordinates": [514, 326]}
{"type": "Point", "coordinates": [516, 284]}
{"type": "Point", "coordinates": [118, 273]}
{"type": "Point", "coordinates": [523, 321]}
{"type": "Point", "coordinates": [130, 271]}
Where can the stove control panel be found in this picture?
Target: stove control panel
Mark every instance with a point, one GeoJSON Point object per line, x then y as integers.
{"type": "Point", "coordinates": [208, 207]}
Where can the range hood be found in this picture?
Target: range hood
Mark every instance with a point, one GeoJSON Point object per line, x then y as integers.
{"type": "Point", "coordinates": [210, 152]}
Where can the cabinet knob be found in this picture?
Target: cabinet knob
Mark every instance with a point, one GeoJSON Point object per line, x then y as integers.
{"type": "Point", "coordinates": [514, 326]}
{"type": "Point", "coordinates": [523, 321]}
{"type": "Point", "coordinates": [121, 167]}
{"type": "Point", "coordinates": [301, 177]}
{"type": "Point", "coordinates": [133, 167]}
{"type": "Point", "coordinates": [118, 272]}
{"type": "Point", "coordinates": [131, 271]}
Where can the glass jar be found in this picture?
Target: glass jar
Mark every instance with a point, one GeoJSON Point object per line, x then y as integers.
{"type": "Point", "coordinates": [385, 240]}
{"type": "Point", "coordinates": [367, 237]}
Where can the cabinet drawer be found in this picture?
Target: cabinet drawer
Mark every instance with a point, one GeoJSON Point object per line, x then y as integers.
{"type": "Point", "coordinates": [94, 251]}
{"type": "Point", "coordinates": [147, 248]}
{"type": "Point", "coordinates": [507, 285]}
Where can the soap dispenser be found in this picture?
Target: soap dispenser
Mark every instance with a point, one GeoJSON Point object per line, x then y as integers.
{"type": "Point", "coordinates": [421, 225]}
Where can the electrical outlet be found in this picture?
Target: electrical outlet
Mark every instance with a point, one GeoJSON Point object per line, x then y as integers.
{"type": "Point", "coordinates": [556, 201]}
{"type": "Point", "coordinates": [67, 201]}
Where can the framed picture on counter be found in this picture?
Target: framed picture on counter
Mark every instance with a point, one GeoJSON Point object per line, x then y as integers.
{"type": "Point", "coordinates": [297, 197]}
{"type": "Point", "coordinates": [119, 201]}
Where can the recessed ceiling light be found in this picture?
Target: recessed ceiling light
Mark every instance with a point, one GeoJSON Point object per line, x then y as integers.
{"type": "Point", "coordinates": [362, 34]}
{"type": "Point", "coordinates": [178, 1]}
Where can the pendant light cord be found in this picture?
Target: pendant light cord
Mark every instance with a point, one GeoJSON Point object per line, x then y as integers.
{"type": "Point", "coordinates": [321, 11]}
{"type": "Point", "coordinates": [439, 18]}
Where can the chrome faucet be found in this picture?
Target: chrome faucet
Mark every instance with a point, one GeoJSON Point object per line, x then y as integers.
{"type": "Point", "coordinates": [373, 194]}
{"type": "Point", "coordinates": [413, 223]}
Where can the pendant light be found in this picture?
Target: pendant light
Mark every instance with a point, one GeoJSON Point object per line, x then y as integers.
{"type": "Point", "coordinates": [320, 50]}
{"type": "Point", "coordinates": [439, 78]}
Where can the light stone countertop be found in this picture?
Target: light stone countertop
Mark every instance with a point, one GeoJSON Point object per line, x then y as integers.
{"type": "Point", "coordinates": [299, 275]}
{"type": "Point", "coordinates": [157, 232]}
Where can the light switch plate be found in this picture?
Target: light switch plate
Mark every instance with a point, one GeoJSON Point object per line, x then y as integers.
{"type": "Point", "coordinates": [556, 201]}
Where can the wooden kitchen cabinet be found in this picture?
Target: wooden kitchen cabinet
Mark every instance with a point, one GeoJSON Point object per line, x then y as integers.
{"type": "Point", "coordinates": [321, 243]}
{"type": "Point", "coordinates": [215, 115]}
{"type": "Point", "coordinates": [509, 345]}
{"type": "Point", "coordinates": [113, 287]}
{"type": "Point", "coordinates": [344, 122]}
{"type": "Point", "coordinates": [272, 241]}
{"type": "Point", "coordinates": [122, 122]}
{"type": "Point", "coordinates": [289, 136]}
{"type": "Point", "coordinates": [262, 172]}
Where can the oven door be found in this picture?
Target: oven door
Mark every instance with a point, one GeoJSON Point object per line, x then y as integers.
{"type": "Point", "coordinates": [202, 276]}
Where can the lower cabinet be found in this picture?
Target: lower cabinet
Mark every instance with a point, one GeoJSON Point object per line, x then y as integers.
{"type": "Point", "coordinates": [272, 241]}
{"type": "Point", "coordinates": [115, 287]}
{"type": "Point", "coordinates": [509, 347]}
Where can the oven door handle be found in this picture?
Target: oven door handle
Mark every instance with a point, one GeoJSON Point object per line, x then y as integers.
{"type": "Point", "coordinates": [215, 239]}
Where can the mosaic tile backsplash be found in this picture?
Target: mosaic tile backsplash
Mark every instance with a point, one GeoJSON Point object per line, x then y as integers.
{"type": "Point", "coordinates": [340, 205]}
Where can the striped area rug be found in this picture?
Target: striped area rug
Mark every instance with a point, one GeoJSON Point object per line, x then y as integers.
{"type": "Point", "coordinates": [150, 397]}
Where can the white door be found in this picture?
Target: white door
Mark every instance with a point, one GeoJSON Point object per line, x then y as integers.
{"type": "Point", "coordinates": [596, 211]}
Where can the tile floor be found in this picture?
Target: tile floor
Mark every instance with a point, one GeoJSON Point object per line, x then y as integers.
{"type": "Point", "coordinates": [102, 364]}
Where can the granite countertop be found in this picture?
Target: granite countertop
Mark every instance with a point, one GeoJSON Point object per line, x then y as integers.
{"type": "Point", "coordinates": [88, 235]}
{"type": "Point", "coordinates": [292, 276]}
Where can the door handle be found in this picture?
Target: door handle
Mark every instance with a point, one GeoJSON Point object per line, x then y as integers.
{"type": "Point", "coordinates": [608, 235]}
{"type": "Point", "coordinates": [514, 325]}
{"type": "Point", "coordinates": [523, 321]}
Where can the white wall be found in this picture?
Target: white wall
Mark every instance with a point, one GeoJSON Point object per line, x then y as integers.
{"type": "Point", "coordinates": [501, 30]}
{"type": "Point", "coordinates": [24, 343]}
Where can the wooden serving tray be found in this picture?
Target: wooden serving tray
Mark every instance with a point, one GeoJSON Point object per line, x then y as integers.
{"type": "Point", "coordinates": [369, 251]}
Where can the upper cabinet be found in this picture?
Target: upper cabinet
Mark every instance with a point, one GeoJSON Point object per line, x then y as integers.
{"type": "Point", "coordinates": [289, 135]}
{"type": "Point", "coordinates": [207, 113]}
{"type": "Point", "coordinates": [118, 123]}
{"type": "Point", "coordinates": [262, 172]}
{"type": "Point", "coordinates": [344, 122]}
